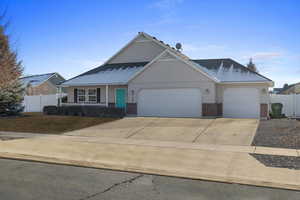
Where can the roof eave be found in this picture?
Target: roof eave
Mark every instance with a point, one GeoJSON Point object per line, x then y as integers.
{"type": "Point", "coordinates": [270, 83]}
{"type": "Point", "coordinates": [92, 84]}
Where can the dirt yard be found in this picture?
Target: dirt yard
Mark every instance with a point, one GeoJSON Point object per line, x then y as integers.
{"type": "Point", "coordinates": [52, 124]}
{"type": "Point", "coordinates": [281, 133]}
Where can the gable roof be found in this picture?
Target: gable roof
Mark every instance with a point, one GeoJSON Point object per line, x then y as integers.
{"type": "Point", "coordinates": [36, 80]}
{"type": "Point", "coordinates": [223, 70]}
{"type": "Point", "coordinates": [288, 87]}
{"type": "Point", "coordinates": [151, 38]}
{"type": "Point", "coordinates": [228, 70]}
{"type": "Point", "coordinates": [186, 61]}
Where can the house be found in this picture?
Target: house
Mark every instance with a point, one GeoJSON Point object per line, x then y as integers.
{"type": "Point", "coordinates": [291, 89]}
{"type": "Point", "coordinates": [42, 84]}
{"type": "Point", "coordinates": [150, 78]}
{"type": "Point", "coordinates": [276, 90]}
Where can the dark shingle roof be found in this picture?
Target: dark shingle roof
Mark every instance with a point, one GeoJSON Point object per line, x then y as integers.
{"type": "Point", "coordinates": [116, 73]}
{"type": "Point", "coordinates": [35, 80]}
{"type": "Point", "coordinates": [114, 66]}
{"type": "Point", "coordinates": [226, 69]}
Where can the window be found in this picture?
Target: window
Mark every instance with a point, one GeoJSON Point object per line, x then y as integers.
{"type": "Point", "coordinates": [92, 95]}
{"type": "Point", "coordinates": [81, 95]}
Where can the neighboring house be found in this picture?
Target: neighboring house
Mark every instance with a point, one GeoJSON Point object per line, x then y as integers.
{"type": "Point", "coordinates": [150, 78]}
{"type": "Point", "coordinates": [291, 89]}
{"type": "Point", "coordinates": [42, 84]}
{"type": "Point", "coordinates": [276, 90]}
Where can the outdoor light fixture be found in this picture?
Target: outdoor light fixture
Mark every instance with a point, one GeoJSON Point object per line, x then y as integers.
{"type": "Point", "coordinates": [207, 91]}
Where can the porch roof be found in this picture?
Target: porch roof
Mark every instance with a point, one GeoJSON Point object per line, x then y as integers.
{"type": "Point", "coordinates": [109, 74]}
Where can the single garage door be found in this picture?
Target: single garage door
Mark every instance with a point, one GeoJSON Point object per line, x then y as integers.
{"type": "Point", "coordinates": [241, 103]}
{"type": "Point", "coordinates": [170, 102]}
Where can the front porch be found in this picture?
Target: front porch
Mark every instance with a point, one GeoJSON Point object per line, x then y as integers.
{"type": "Point", "coordinates": [97, 96]}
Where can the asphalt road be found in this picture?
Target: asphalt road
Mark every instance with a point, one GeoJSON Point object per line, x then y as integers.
{"type": "Point", "coordinates": [39, 181]}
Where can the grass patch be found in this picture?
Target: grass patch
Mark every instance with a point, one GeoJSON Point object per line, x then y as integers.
{"type": "Point", "coordinates": [52, 124]}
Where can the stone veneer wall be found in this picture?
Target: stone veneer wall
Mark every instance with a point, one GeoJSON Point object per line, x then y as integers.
{"type": "Point", "coordinates": [212, 109]}
{"type": "Point", "coordinates": [264, 111]}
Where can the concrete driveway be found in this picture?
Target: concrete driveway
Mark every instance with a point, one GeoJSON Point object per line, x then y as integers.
{"type": "Point", "coordinates": [204, 131]}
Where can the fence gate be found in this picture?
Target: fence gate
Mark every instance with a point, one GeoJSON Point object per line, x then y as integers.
{"type": "Point", "coordinates": [36, 103]}
{"type": "Point", "coordinates": [291, 103]}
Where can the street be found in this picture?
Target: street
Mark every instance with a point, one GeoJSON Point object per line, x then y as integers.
{"type": "Point", "coordinates": [35, 181]}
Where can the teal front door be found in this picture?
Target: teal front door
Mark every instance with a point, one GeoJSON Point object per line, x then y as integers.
{"type": "Point", "coordinates": [120, 98]}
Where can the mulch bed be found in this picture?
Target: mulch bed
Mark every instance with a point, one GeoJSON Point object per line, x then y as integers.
{"type": "Point", "coordinates": [290, 162]}
{"type": "Point", "coordinates": [280, 133]}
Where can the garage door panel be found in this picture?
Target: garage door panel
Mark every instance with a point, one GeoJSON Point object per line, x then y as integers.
{"type": "Point", "coordinates": [241, 103]}
{"type": "Point", "coordinates": [170, 102]}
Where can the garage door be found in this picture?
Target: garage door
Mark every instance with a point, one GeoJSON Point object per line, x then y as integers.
{"type": "Point", "coordinates": [241, 103]}
{"type": "Point", "coordinates": [170, 102]}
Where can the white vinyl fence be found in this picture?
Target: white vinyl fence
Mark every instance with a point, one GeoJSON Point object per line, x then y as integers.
{"type": "Point", "coordinates": [36, 103]}
{"type": "Point", "coordinates": [291, 103]}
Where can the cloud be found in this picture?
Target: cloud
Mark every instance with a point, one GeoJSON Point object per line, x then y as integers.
{"type": "Point", "coordinates": [195, 48]}
{"type": "Point", "coordinates": [167, 10]}
{"type": "Point", "coordinates": [266, 55]}
{"type": "Point", "coordinates": [166, 4]}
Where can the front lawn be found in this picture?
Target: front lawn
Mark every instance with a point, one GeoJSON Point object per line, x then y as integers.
{"type": "Point", "coordinates": [52, 124]}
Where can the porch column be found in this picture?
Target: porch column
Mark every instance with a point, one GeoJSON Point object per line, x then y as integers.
{"type": "Point", "coordinates": [106, 95]}
{"type": "Point", "coordinates": [59, 96]}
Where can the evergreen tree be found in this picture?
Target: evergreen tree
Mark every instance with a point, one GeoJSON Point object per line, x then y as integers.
{"type": "Point", "coordinates": [285, 86]}
{"type": "Point", "coordinates": [11, 91]}
{"type": "Point", "coordinates": [252, 66]}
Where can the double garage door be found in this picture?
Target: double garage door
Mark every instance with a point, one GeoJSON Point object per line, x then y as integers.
{"type": "Point", "coordinates": [185, 102]}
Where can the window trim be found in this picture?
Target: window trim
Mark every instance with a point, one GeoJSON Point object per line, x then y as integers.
{"type": "Point", "coordinates": [81, 95]}
{"type": "Point", "coordinates": [93, 95]}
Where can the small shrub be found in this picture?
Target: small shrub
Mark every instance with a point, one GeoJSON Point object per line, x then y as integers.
{"type": "Point", "coordinates": [91, 111]}
{"type": "Point", "coordinates": [276, 111]}
{"type": "Point", "coordinates": [64, 99]}
{"type": "Point", "coordinates": [50, 110]}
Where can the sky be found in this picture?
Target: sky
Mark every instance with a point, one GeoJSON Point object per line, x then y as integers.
{"type": "Point", "coordinates": [73, 36]}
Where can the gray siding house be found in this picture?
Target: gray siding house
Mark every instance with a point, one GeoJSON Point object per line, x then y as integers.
{"type": "Point", "coordinates": [150, 78]}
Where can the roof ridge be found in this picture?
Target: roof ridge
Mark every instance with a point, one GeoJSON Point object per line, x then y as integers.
{"type": "Point", "coordinates": [165, 45]}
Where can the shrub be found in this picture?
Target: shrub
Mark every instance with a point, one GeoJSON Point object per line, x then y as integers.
{"type": "Point", "coordinates": [90, 111]}
{"type": "Point", "coordinates": [50, 110]}
{"type": "Point", "coordinates": [64, 99]}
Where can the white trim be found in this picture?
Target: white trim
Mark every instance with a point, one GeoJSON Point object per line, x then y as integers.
{"type": "Point", "coordinates": [85, 100]}
{"type": "Point", "coordinates": [94, 84]}
{"type": "Point", "coordinates": [106, 95]}
{"type": "Point", "coordinates": [95, 95]}
{"type": "Point", "coordinates": [55, 73]}
{"type": "Point", "coordinates": [271, 83]}
{"type": "Point", "coordinates": [179, 58]}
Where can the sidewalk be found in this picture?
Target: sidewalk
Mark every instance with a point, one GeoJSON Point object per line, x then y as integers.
{"type": "Point", "coordinates": [216, 163]}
